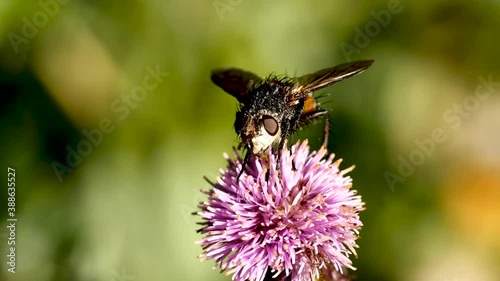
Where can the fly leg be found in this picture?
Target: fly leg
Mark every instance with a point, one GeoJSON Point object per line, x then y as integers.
{"type": "Point", "coordinates": [304, 120]}
{"type": "Point", "coordinates": [244, 164]}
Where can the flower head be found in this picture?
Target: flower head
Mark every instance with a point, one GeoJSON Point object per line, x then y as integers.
{"type": "Point", "coordinates": [296, 218]}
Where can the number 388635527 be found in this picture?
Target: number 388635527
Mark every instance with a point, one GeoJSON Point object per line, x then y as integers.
{"type": "Point", "coordinates": [11, 190]}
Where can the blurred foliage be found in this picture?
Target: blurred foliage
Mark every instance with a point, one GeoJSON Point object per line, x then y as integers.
{"type": "Point", "coordinates": [123, 210]}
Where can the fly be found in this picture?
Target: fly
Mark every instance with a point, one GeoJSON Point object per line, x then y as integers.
{"type": "Point", "coordinates": [274, 108]}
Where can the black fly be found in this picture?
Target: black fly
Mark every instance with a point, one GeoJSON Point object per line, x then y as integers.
{"type": "Point", "coordinates": [273, 108]}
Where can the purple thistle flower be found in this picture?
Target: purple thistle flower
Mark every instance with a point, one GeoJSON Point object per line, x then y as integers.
{"type": "Point", "coordinates": [297, 218]}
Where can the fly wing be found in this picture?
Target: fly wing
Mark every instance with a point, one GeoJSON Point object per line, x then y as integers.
{"type": "Point", "coordinates": [235, 82]}
{"type": "Point", "coordinates": [325, 77]}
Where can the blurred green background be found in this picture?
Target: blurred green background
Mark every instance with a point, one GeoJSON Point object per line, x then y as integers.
{"type": "Point", "coordinates": [109, 158]}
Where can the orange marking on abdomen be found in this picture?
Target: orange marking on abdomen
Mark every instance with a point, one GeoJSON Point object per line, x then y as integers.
{"type": "Point", "coordinates": [309, 105]}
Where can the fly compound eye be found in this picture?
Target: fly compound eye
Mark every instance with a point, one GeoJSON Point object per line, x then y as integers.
{"type": "Point", "coordinates": [270, 124]}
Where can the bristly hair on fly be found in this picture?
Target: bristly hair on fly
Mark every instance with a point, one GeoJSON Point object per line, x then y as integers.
{"type": "Point", "coordinates": [272, 109]}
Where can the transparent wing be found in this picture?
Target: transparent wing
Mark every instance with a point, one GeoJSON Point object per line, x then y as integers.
{"type": "Point", "coordinates": [235, 82]}
{"type": "Point", "coordinates": [325, 77]}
